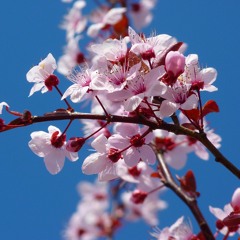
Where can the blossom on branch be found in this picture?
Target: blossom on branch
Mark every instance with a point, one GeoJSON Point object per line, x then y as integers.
{"type": "Point", "coordinates": [228, 222]}
{"type": "Point", "coordinates": [42, 75]}
{"type": "Point", "coordinates": [52, 147]}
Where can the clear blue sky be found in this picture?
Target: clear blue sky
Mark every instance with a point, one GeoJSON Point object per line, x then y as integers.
{"type": "Point", "coordinates": [35, 205]}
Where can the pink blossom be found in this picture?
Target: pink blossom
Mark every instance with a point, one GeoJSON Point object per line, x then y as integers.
{"type": "Point", "coordinates": [140, 87]}
{"type": "Point", "coordinates": [71, 58]}
{"type": "Point", "coordinates": [96, 193]}
{"type": "Point", "coordinates": [104, 162]}
{"type": "Point", "coordinates": [200, 79]}
{"type": "Point", "coordinates": [235, 202]}
{"type": "Point", "coordinates": [135, 174]}
{"type": "Point", "coordinates": [229, 210]}
{"type": "Point", "coordinates": [114, 79]}
{"type": "Point", "coordinates": [177, 96]}
{"type": "Point", "coordinates": [103, 18]}
{"type": "Point", "coordinates": [174, 63]}
{"type": "Point", "coordinates": [141, 13]}
{"type": "Point", "coordinates": [180, 230]}
{"type": "Point", "coordinates": [84, 223]}
{"type": "Point", "coordinates": [42, 75]}
{"type": "Point", "coordinates": [173, 147]}
{"type": "Point", "coordinates": [128, 137]}
{"type": "Point", "coordinates": [199, 149]}
{"type": "Point", "coordinates": [74, 22]}
{"type": "Point", "coordinates": [147, 210]}
{"type": "Point", "coordinates": [81, 84]}
{"type": "Point", "coordinates": [52, 147]}
{"type": "Point", "coordinates": [149, 48]}
{"type": "Point", "coordinates": [112, 49]}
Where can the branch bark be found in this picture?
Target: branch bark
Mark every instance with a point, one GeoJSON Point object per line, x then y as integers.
{"type": "Point", "coordinates": [191, 202]}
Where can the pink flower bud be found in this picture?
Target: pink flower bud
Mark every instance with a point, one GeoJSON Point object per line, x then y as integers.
{"type": "Point", "coordinates": [236, 200]}
{"type": "Point", "coordinates": [174, 63]}
{"type": "Point", "coordinates": [75, 144]}
{"type": "Point", "coordinates": [138, 196]}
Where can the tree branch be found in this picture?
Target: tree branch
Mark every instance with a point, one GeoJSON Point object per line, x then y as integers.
{"type": "Point", "coordinates": [191, 202]}
{"type": "Point", "coordinates": [177, 129]}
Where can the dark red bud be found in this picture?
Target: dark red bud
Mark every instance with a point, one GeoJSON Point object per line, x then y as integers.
{"type": "Point", "coordinates": [138, 196]}
{"type": "Point", "coordinates": [51, 81]}
{"type": "Point", "coordinates": [75, 144]}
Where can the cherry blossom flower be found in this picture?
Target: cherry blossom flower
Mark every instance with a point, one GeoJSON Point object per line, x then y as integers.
{"type": "Point", "coordinates": [81, 84]}
{"type": "Point", "coordinates": [112, 49]}
{"type": "Point", "coordinates": [141, 13]}
{"type": "Point", "coordinates": [103, 18]}
{"type": "Point", "coordinates": [52, 147]}
{"type": "Point", "coordinates": [177, 96]}
{"type": "Point", "coordinates": [173, 147]}
{"type": "Point", "coordinates": [146, 210]}
{"type": "Point", "coordinates": [199, 149]}
{"type": "Point", "coordinates": [180, 230]}
{"type": "Point", "coordinates": [149, 48]}
{"type": "Point", "coordinates": [227, 223]}
{"type": "Point", "coordinates": [96, 193]}
{"type": "Point", "coordinates": [74, 22]}
{"type": "Point", "coordinates": [104, 162]}
{"type": "Point", "coordinates": [141, 172]}
{"type": "Point", "coordinates": [200, 79]}
{"type": "Point", "coordinates": [129, 136]}
{"type": "Point", "coordinates": [71, 58]}
{"type": "Point", "coordinates": [141, 87]}
{"type": "Point", "coordinates": [174, 64]}
{"type": "Point", "coordinates": [84, 224]}
{"type": "Point", "coordinates": [42, 75]}
{"type": "Point", "coordinates": [115, 79]}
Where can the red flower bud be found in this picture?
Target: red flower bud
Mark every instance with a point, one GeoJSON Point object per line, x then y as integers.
{"type": "Point", "coordinates": [138, 196]}
{"type": "Point", "coordinates": [51, 81]}
{"type": "Point", "coordinates": [75, 144]}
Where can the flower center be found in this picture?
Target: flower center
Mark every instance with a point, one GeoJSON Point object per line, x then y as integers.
{"type": "Point", "coordinates": [137, 140]}
{"type": "Point", "coordinates": [51, 81]}
{"type": "Point", "coordinates": [80, 58]}
{"type": "Point", "coordinates": [136, 7]}
{"type": "Point", "coordinates": [114, 155]}
{"type": "Point", "coordinates": [164, 144]}
{"type": "Point", "coordinates": [58, 141]}
{"type": "Point", "coordinates": [134, 171]}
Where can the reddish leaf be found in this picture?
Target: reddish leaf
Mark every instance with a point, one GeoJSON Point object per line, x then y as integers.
{"type": "Point", "coordinates": [155, 175]}
{"type": "Point", "coordinates": [188, 183]}
{"type": "Point", "coordinates": [210, 106]}
{"type": "Point", "coordinates": [193, 114]}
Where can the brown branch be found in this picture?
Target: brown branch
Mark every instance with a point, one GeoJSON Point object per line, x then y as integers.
{"type": "Point", "coordinates": [177, 129]}
{"type": "Point", "coordinates": [191, 202]}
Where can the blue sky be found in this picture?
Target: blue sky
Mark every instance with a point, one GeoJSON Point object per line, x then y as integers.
{"type": "Point", "coordinates": [36, 205]}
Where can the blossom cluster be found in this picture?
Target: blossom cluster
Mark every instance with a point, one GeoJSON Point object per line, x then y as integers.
{"type": "Point", "coordinates": [146, 81]}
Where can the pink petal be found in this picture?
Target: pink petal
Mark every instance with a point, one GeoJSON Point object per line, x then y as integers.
{"type": "Point", "coordinates": [54, 161]}
{"type": "Point", "coordinates": [94, 164]}
{"type": "Point", "coordinates": [147, 154]}
{"type": "Point", "coordinates": [236, 199]}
